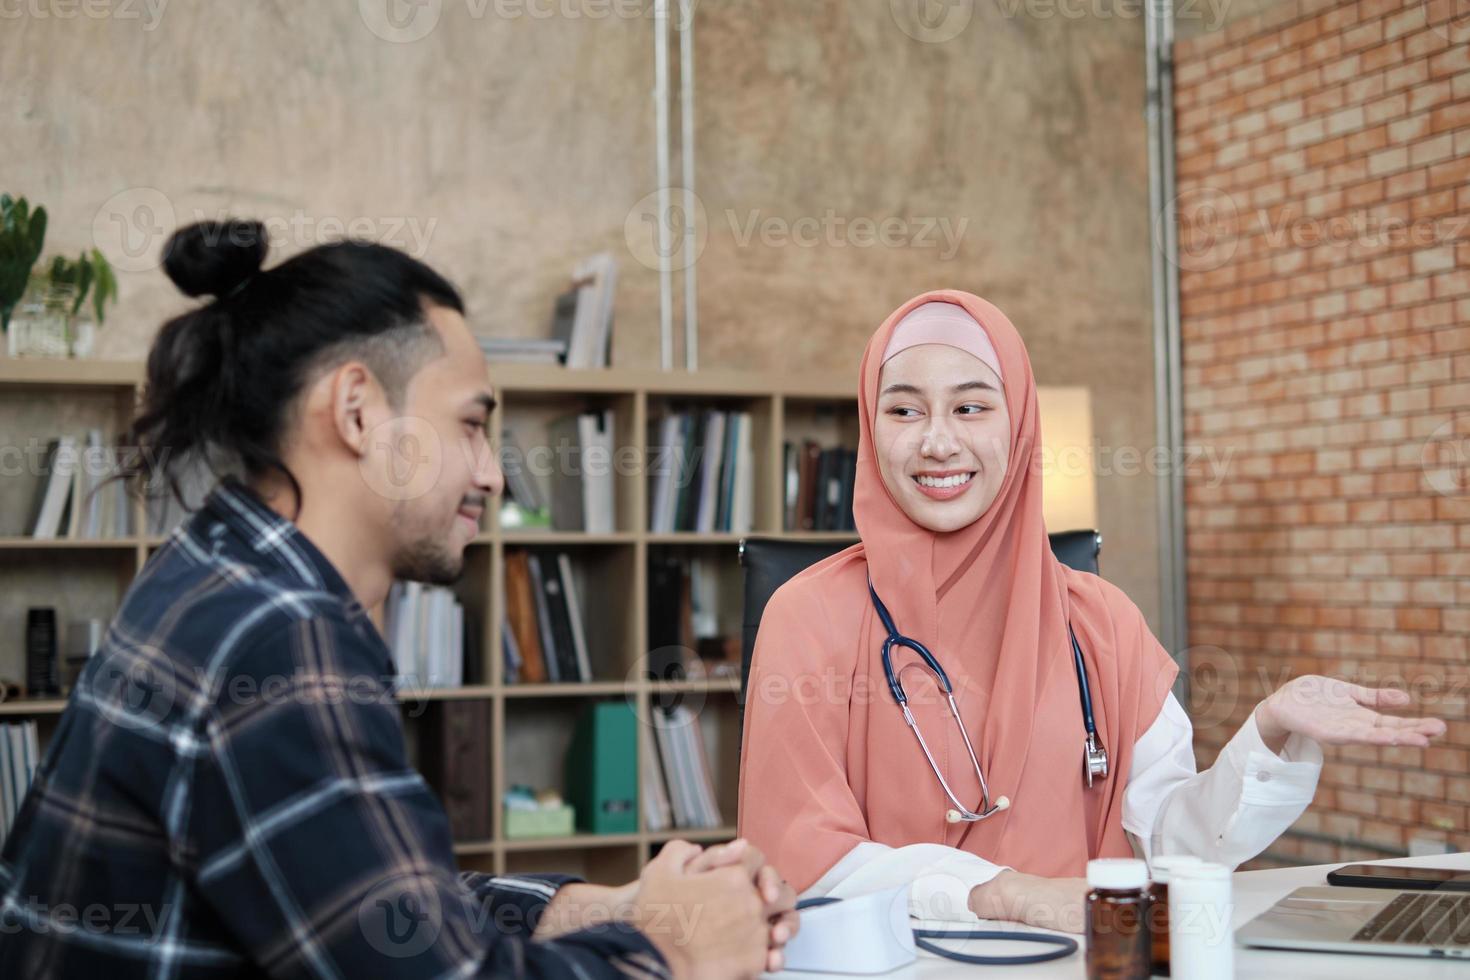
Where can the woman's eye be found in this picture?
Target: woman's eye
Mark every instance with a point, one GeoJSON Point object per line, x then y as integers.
{"type": "Point", "coordinates": [972, 409]}
{"type": "Point", "coordinates": [903, 412]}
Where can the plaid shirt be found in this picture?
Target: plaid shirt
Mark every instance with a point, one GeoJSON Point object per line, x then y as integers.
{"type": "Point", "coordinates": [228, 794]}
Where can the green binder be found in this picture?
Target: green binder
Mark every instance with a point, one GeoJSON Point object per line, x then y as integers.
{"type": "Point", "coordinates": [602, 769]}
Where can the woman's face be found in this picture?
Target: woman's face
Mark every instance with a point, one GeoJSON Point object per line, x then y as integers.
{"type": "Point", "coordinates": [942, 435]}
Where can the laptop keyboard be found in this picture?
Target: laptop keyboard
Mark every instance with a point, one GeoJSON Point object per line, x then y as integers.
{"type": "Point", "coordinates": [1420, 919]}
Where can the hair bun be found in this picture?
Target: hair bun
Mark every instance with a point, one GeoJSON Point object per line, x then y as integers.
{"type": "Point", "coordinates": [211, 258]}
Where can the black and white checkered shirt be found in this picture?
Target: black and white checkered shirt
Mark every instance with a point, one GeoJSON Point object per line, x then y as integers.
{"type": "Point", "coordinates": [228, 795]}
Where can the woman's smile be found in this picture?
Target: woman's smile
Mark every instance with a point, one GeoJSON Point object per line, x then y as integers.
{"type": "Point", "coordinates": [944, 484]}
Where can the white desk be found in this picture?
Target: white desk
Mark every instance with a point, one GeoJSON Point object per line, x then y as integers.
{"type": "Point", "coordinates": [1255, 891]}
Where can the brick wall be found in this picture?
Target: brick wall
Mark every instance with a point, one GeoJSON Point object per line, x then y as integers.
{"type": "Point", "coordinates": [1324, 202]}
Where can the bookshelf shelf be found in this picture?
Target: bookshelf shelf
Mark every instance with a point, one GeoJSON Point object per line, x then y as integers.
{"type": "Point", "coordinates": [69, 544]}
{"type": "Point", "coordinates": [576, 842]}
{"type": "Point", "coordinates": [592, 689]}
{"type": "Point", "coordinates": [565, 538]}
{"type": "Point", "coordinates": [528, 723]}
{"type": "Point", "coordinates": [697, 836]}
{"type": "Point", "coordinates": [31, 707]}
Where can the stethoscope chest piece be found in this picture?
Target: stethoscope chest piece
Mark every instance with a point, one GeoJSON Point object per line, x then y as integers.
{"type": "Point", "coordinates": [1095, 759]}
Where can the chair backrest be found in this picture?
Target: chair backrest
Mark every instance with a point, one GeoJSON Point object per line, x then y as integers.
{"type": "Point", "coordinates": [769, 562]}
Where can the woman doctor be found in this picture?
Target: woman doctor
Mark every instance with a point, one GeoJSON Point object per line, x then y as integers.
{"type": "Point", "coordinates": [835, 786]}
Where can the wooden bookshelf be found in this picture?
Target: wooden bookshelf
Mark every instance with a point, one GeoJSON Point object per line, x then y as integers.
{"type": "Point", "coordinates": [39, 399]}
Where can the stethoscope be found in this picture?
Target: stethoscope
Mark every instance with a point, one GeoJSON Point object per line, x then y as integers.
{"type": "Point", "coordinates": [1094, 755]}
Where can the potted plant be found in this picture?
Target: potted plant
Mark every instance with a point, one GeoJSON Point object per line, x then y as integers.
{"type": "Point", "coordinates": [22, 233]}
{"type": "Point", "coordinates": [70, 280]}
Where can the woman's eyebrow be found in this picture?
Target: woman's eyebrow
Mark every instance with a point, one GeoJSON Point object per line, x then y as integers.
{"type": "Point", "coordinates": [902, 388]}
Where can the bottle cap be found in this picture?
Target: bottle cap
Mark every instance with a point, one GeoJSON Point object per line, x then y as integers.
{"type": "Point", "coordinates": [1165, 865]}
{"type": "Point", "coordinates": [1117, 873]}
{"type": "Point", "coordinates": [1201, 871]}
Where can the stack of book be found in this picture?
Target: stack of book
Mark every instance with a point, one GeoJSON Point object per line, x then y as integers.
{"type": "Point", "coordinates": [689, 611]}
{"type": "Point", "coordinates": [817, 487]}
{"type": "Point", "coordinates": [678, 789]}
{"type": "Point", "coordinates": [582, 479]}
{"type": "Point", "coordinates": [19, 756]}
{"type": "Point", "coordinates": [425, 627]}
{"type": "Point", "coordinates": [545, 632]}
{"type": "Point", "coordinates": [76, 496]}
{"type": "Point", "coordinates": [702, 472]}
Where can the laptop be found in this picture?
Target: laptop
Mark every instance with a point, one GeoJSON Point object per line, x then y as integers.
{"type": "Point", "coordinates": [1334, 919]}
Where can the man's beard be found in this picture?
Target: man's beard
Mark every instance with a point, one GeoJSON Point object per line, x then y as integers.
{"type": "Point", "coordinates": [425, 561]}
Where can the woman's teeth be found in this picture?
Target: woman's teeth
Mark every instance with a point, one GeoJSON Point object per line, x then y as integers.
{"type": "Point", "coordinates": [941, 483]}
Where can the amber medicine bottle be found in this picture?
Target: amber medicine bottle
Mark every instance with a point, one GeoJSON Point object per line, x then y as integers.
{"type": "Point", "coordinates": [1117, 920]}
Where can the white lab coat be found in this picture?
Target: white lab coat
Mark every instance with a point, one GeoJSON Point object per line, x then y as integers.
{"type": "Point", "coordinates": [1229, 813]}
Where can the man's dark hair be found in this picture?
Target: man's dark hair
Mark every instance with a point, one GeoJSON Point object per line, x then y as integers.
{"type": "Point", "coordinates": [222, 379]}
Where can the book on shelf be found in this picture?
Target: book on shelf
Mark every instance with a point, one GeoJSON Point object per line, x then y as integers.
{"type": "Point", "coordinates": [686, 769]}
{"type": "Point", "coordinates": [510, 350]}
{"type": "Point", "coordinates": [595, 283]}
{"type": "Point", "coordinates": [425, 626]}
{"type": "Point", "coordinates": [602, 769]}
{"type": "Point", "coordinates": [693, 609]}
{"type": "Point", "coordinates": [454, 757]}
{"type": "Point", "coordinates": [582, 495]}
{"type": "Point", "coordinates": [546, 618]}
{"type": "Point", "coordinates": [817, 487]}
{"type": "Point", "coordinates": [43, 645]}
{"type": "Point", "coordinates": [19, 757]}
{"type": "Point", "coordinates": [75, 497]}
{"type": "Point", "coordinates": [658, 813]}
{"type": "Point", "coordinates": [702, 472]}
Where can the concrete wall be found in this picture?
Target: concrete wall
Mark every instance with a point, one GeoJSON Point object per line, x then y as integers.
{"type": "Point", "coordinates": [503, 145]}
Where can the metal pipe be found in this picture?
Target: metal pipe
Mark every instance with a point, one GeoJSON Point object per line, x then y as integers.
{"type": "Point", "coordinates": [661, 114]}
{"type": "Point", "coordinates": [1168, 407]}
{"type": "Point", "coordinates": [691, 254]}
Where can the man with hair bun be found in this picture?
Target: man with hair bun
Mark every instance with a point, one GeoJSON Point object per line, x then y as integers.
{"type": "Point", "coordinates": [288, 836]}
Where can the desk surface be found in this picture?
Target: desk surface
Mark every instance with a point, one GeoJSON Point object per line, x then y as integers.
{"type": "Point", "coordinates": [1255, 891]}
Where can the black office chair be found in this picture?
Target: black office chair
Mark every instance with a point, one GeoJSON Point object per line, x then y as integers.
{"type": "Point", "coordinates": [769, 562]}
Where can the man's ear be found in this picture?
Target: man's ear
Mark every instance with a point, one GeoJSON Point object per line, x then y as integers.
{"type": "Point", "coordinates": [358, 405]}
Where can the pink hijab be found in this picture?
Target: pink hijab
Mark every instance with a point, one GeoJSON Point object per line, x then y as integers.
{"type": "Point", "coordinates": [828, 761]}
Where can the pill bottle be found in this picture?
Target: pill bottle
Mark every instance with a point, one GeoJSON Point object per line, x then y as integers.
{"type": "Point", "coordinates": [1117, 919]}
{"type": "Point", "coordinates": [1160, 868]}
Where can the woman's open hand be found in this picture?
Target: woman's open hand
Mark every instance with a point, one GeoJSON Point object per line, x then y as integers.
{"type": "Point", "coordinates": [1335, 712]}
